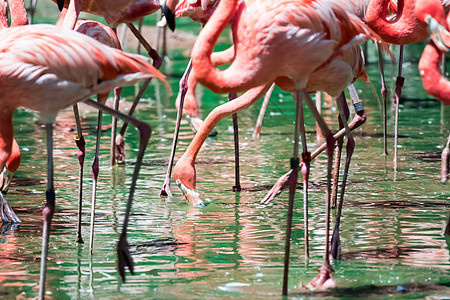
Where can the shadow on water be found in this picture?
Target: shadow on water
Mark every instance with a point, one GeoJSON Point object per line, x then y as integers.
{"type": "Point", "coordinates": [378, 291]}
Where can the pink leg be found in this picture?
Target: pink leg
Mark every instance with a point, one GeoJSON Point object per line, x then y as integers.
{"type": "Point", "coordinates": [384, 96]}
{"type": "Point", "coordinates": [79, 140]}
{"type": "Point", "coordinates": [124, 256]}
{"type": "Point", "coordinates": [398, 93]}
{"type": "Point", "coordinates": [258, 126]}
{"type": "Point", "coordinates": [47, 212]}
{"type": "Point", "coordinates": [292, 185]}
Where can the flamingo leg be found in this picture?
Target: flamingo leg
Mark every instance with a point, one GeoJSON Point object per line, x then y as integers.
{"type": "Point", "coordinates": [340, 143]}
{"type": "Point", "coordinates": [32, 9]}
{"type": "Point", "coordinates": [292, 185]}
{"type": "Point", "coordinates": [165, 190]}
{"type": "Point", "coordinates": [48, 211]}
{"type": "Point", "coordinates": [95, 170]}
{"type": "Point", "coordinates": [79, 140]}
{"type": "Point", "coordinates": [140, 23]}
{"type": "Point", "coordinates": [259, 121]}
{"type": "Point", "coordinates": [335, 240]}
{"type": "Point", "coordinates": [281, 183]}
{"type": "Point", "coordinates": [117, 92]}
{"type": "Point", "coordinates": [119, 141]}
{"type": "Point", "coordinates": [445, 161]}
{"type": "Point", "coordinates": [305, 168]}
{"type": "Point", "coordinates": [237, 186]}
{"type": "Point", "coordinates": [398, 92]}
{"type": "Point", "coordinates": [124, 256]}
{"type": "Point", "coordinates": [384, 92]}
{"type": "Point", "coordinates": [325, 278]}
{"type": "Point", "coordinates": [157, 60]}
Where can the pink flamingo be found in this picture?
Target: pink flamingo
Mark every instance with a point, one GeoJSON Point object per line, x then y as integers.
{"type": "Point", "coordinates": [6, 176]}
{"type": "Point", "coordinates": [46, 68]}
{"type": "Point", "coordinates": [292, 39]}
{"type": "Point", "coordinates": [415, 21]}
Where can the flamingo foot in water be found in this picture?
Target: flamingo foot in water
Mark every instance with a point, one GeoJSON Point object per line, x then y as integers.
{"type": "Point", "coordinates": [335, 249]}
{"type": "Point", "coordinates": [165, 190]}
{"type": "Point", "coordinates": [324, 280]}
{"type": "Point", "coordinates": [196, 123]}
{"type": "Point", "coordinates": [7, 213]}
{"type": "Point", "coordinates": [120, 149]}
{"type": "Point", "coordinates": [124, 257]}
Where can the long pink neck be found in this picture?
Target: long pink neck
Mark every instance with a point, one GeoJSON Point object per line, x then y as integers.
{"type": "Point", "coordinates": [219, 81]}
{"type": "Point", "coordinates": [433, 82]}
{"type": "Point", "coordinates": [404, 29]}
{"type": "Point", "coordinates": [18, 13]}
{"type": "Point", "coordinates": [71, 15]}
{"type": "Point", "coordinates": [6, 138]}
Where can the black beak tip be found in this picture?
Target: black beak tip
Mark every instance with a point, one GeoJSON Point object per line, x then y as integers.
{"type": "Point", "coordinates": [170, 17]}
{"type": "Point", "coordinates": [60, 4]}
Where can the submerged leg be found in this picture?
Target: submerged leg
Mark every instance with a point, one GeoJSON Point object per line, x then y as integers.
{"type": "Point", "coordinates": [79, 140]}
{"type": "Point", "coordinates": [165, 190]}
{"type": "Point", "coordinates": [398, 91]}
{"type": "Point", "coordinates": [124, 257]}
{"type": "Point", "coordinates": [257, 130]}
{"type": "Point", "coordinates": [384, 96]}
{"type": "Point", "coordinates": [295, 162]}
{"type": "Point", "coordinates": [47, 212]}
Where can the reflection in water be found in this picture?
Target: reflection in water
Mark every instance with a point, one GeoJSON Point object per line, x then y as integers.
{"type": "Point", "coordinates": [390, 231]}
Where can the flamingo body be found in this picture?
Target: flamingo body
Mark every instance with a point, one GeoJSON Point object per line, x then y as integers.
{"type": "Point", "coordinates": [118, 11]}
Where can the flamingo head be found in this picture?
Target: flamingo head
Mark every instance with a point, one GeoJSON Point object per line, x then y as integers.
{"type": "Point", "coordinates": [432, 13]}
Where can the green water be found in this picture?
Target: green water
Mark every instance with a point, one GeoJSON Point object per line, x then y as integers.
{"type": "Point", "coordinates": [391, 230]}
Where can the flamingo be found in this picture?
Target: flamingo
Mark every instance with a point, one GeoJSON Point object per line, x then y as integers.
{"type": "Point", "coordinates": [46, 68]}
{"type": "Point", "coordinates": [290, 38]}
{"type": "Point", "coordinates": [13, 163]}
{"type": "Point", "coordinates": [415, 21]}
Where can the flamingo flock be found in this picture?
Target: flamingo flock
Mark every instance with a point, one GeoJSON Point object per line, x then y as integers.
{"type": "Point", "coordinates": [301, 46]}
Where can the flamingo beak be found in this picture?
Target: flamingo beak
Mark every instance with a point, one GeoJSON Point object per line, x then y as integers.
{"type": "Point", "coordinates": [5, 180]}
{"type": "Point", "coordinates": [170, 16]}
{"type": "Point", "coordinates": [60, 4]}
{"type": "Point", "coordinates": [438, 33]}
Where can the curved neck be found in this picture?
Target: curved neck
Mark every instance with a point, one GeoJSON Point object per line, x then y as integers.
{"type": "Point", "coordinates": [219, 81]}
{"type": "Point", "coordinates": [433, 82]}
{"type": "Point", "coordinates": [404, 28]}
